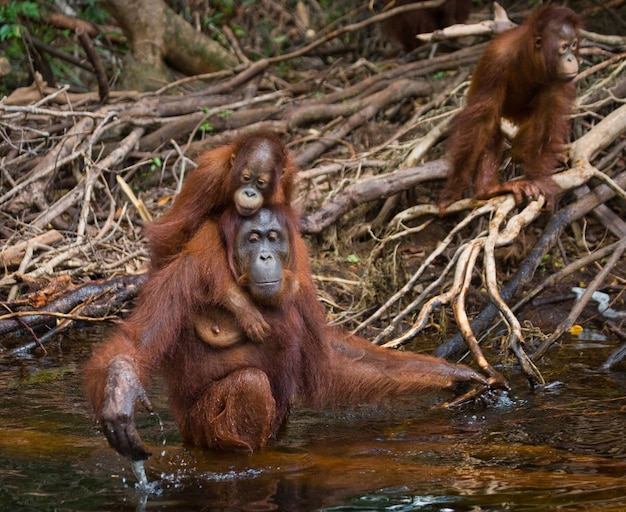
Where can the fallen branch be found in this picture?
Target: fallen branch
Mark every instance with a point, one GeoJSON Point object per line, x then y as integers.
{"type": "Point", "coordinates": [11, 256]}
{"type": "Point", "coordinates": [90, 293]}
{"type": "Point", "coordinates": [500, 23]}
{"type": "Point", "coordinates": [364, 190]}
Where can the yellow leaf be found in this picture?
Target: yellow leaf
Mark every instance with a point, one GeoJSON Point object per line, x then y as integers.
{"type": "Point", "coordinates": [575, 330]}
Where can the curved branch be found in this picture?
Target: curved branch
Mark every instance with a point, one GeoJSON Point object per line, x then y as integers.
{"type": "Point", "coordinates": [515, 329]}
{"type": "Point", "coordinates": [431, 257]}
{"type": "Point", "coordinates": [371, 189]}
{"type": "Point", "coordinates": [526, 270]}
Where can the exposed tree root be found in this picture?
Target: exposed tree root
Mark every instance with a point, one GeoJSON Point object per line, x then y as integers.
{"type": "Point", "coordinates": [502, 232]}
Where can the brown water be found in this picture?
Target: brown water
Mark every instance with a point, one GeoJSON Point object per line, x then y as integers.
{"type": "Point", "coordinates": [560, 448]}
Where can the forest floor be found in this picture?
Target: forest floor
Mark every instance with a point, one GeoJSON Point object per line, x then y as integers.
{"type": "Point", "coordinates": [80, 179]}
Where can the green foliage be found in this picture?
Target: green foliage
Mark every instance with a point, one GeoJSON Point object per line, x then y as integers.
{"type": "Point", "coordinates": [11, 17]}
{"type": "Point", "coordinates": [214, 20]}
{"type": "Point", "coordinates": [224, 6]}
{"type": "Point", "coordinates": [238, 31]}
{"type": "Point", "coordinates": [94, 11]}
{"type": "Point", "coordinates": [206, 127]}
{"type": "Point", "coordinates": [156, 164]}
{"type": "Point", "coordinates": [20, 18]}
{"type": "Point", "coordinates": [13, 11]}
{"type": "Point", "coordinates": [14, 20]}
{"type": "Point", "coordinates": [281, 39]}
{"type": "Point", "coordinates": [333, 9]}
{"type": "Point", "coordinates": [9, 31]}
{"type": "Point", "coordinates": [223, 9]}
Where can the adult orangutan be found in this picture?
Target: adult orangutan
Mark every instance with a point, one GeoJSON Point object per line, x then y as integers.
{"type": "Point", "coordinates": [525, 75]}
{"type": "Point", "coordinates": [404, 27]}
{"type": "Point", "coordinates": [253, 171]}
{"type": "Point", "coordinates": [234, 394]}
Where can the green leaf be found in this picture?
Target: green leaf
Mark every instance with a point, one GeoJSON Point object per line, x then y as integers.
{"type": "Point", "coordinates": [30, 9]}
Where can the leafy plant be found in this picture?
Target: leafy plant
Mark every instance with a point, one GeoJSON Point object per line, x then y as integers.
{"type": "Point", "coordinates": [156, 164]}
{"type": "Point", "coordinates": [11, 16]}
{"type": "Point", "coordinates": [20, 19]}
{"type": "Point", "coordinates": [94, 11]}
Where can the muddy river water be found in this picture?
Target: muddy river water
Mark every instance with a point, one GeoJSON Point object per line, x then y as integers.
{"type": "Point", "coordinates": [558, 448]}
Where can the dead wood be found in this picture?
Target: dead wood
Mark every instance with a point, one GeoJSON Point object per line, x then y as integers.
{"type": "Point", "coordinates": [561, 220]}
{"type": "Point", "coordinates": [12, 255]}
{"type": "Point", "coordinates": [92, 300]}
{"type": "Point", "coordinates": [372, 189]}
{"type": "Point", "coordinates": [364, 128]}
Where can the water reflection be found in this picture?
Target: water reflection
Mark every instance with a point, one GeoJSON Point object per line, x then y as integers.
{"type": "Point", "coordinates": [559, 448]}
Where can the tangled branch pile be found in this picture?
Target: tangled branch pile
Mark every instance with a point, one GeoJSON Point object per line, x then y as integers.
{"type": "Point", "coordinates": [79, 179]}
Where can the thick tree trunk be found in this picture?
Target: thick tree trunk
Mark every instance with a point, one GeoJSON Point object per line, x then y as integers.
{"type": "Point", "coordinates": [157, 34]}
{"type": "Point", "coordinates": [190, 51]}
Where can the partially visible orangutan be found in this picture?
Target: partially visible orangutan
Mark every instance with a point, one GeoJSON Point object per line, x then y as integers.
{"type": "Point", "coordinates": [240, 178]}
{"type": "Point", "coordinates": [255, 170]}
{"type": "Point", "coordinates": [234, 395]}
{"type": "Point", "coordinates": [404, 27]}
{"type": "Point", "coordinates": [525, 75]}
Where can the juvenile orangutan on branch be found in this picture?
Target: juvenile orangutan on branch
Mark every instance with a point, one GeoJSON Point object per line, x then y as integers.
{"type": "Point", "coordinates": [525, 75]}
{"type": "Point", "coordinates": [227, 392]}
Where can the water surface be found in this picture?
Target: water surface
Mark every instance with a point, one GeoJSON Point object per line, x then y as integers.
{"type": "Point", "coordinates": [559, 448]}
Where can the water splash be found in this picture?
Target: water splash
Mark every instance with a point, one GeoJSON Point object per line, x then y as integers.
{"type": "Point", "coordinates": [140, 473]}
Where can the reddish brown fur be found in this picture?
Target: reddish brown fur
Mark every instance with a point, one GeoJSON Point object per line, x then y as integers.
{"type": "Point", "coordinates": [404, 27]}
{"type": "Point", "coordinates": [210, 188]}
{"type": "Point", "coordinates": [206, 194]}
{"type": "Point", "coordinates": [517, 81]}
{"type": "Point", "coordinates": [237, 397]}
